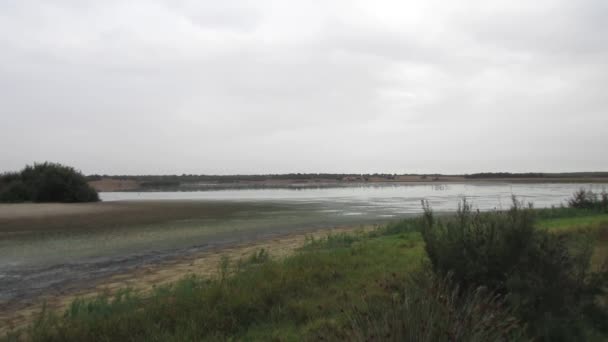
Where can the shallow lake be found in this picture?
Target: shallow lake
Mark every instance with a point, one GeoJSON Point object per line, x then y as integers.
{"type": "Point", "coordinates": [40, 262]}
{"type": "Point", "coordinates": [384, 200]}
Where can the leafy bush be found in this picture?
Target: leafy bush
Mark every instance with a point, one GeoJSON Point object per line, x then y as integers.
{"type": "Point", "coordinates": [14, 192]}
{"type": "Point", "coordinates": [479, 248]}
{"type": "Point", "coordinates": [432, 308]}
{"type": "Point", "coordinates": [46, 182]}
{"type": "Point", "coordinates": [545, 276]}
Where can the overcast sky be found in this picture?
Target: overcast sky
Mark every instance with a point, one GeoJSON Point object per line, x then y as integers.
{"type": "Point", "coordinates": [222, 87]}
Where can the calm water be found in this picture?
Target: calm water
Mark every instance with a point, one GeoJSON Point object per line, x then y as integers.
{"type": "Point", "coordinates": [43, 263]}
{"type": "Point", "coordinates": [383, 201]}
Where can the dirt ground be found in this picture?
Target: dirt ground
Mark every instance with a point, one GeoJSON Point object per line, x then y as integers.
{"type": "Point", "coordinates": [145, 278]}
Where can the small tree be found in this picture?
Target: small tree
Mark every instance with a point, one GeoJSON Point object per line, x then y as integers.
{"type": "Point", "coordinates": [587, 199]}
{"type": "Point", "coordinates": [583, 199]}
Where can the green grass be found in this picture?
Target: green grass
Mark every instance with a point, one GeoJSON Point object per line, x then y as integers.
{"type": "Point", "coordinates": [568, 223]}
{"type": "Point", "coordinates": [593, 223]}
{"type": "Point", "coordinates": [323, 292]}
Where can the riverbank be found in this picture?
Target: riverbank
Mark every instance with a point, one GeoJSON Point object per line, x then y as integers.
{"type": "Point", "coordinates": [49, 251]}
{"type": "Point", "coordinates": [49, 248]}
{"type": "Point", "coordinates": [20, 313]}
{"type": "Point", "coordinates": [339, 287]}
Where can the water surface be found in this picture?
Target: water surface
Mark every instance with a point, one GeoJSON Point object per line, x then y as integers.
{"type": "Point", "coordinates": [392, 200]}
{"type": "Point", "coordinates": [38, 262]}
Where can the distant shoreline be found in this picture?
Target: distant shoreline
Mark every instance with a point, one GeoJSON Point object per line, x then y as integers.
{"type": "Point", "coordinates": [129, 185]}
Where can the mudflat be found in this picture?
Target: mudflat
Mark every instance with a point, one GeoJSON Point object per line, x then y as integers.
{"type": "Point", "coordinates": [36, 210]}
{"type": "Point", "coordinates": [30, 217]}
{"type": "Point", "coordinates": [51, 252]}
{"type": "Point", "coordinates": [19, 314]}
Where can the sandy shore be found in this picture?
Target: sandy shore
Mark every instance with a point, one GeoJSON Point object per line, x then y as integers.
{"type": "Point", "coordinates": [17, 315]}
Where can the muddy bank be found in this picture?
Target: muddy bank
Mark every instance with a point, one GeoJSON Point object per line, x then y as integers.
{"type": "Point", "coordinates": [47, 249]}
{"type": "Point", "coordinates": [142, 274]}
{"type": "Point", "coordinates": [50, 251]}
{"type": "Point", "coordinates": [52, 217]}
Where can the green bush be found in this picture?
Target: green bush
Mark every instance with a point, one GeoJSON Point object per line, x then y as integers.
{"type": "Point", "coordinates": [545, 276]}
{"type": "Point", "coordinates": [433, 308]}
{"type": "Point", "coordinates": [587, 199]}
{"type": "Point", "coordinates": [46, 182]}
{"type": "Point", "coordinates": [14, 192]}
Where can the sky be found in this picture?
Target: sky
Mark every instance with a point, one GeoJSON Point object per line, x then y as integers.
{"type": "Point", "coordinates": [234, 87]}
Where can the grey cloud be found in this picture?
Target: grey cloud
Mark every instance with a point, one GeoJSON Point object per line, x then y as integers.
{"type": "Point", "coordinates": [241, 87]}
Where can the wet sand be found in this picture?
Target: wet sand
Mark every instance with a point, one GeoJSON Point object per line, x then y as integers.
{"type": "Point", "coordinates": [18, 314]}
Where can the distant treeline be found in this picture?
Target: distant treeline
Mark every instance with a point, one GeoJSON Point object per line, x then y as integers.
{"type": "Point", "coordinates": [537, 175]}
{"type": "Point", "coordinates": [504, 175]}
{"type": "Point", "coordinates": [174, 180]}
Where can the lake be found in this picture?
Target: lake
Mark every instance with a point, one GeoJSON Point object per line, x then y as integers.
{"type": "Point", "coordinates": [38, 261]}
{"type": "Point", "coordinates": [384, 200]}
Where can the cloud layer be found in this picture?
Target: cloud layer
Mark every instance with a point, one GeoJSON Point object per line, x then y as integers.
{"type": "Point", "coordinates": [322, 86]}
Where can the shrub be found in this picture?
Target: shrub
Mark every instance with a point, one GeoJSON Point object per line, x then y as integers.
{"type": "Point", "coordinates": [14, 192]}
{"type": "Point", "coordinates": [545, 276]}
{"type": "Point", "coordinates": [479, 248]}
{"type": "Point", "coordinates": [46, 182]}
{"type": "Point", "coordinates": [433, 308]}
{"type": "Point", "coordinates": [587, 199]}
